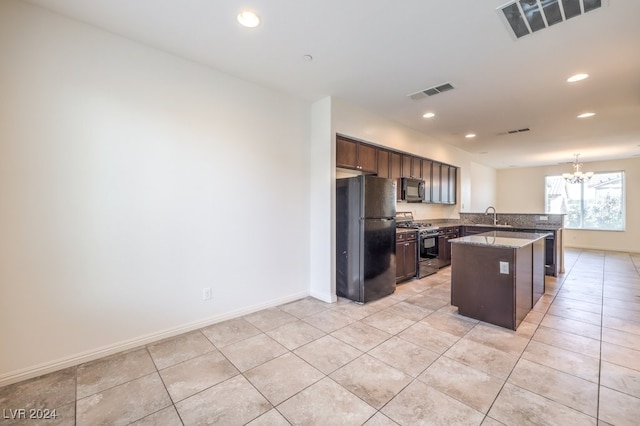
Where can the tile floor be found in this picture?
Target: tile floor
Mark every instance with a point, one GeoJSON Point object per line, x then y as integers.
{"type": "Point", "coordinates": [407, 359]}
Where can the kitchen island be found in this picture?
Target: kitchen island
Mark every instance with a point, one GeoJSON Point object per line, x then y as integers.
{"type": "Point", "coordinates": [497, 276]}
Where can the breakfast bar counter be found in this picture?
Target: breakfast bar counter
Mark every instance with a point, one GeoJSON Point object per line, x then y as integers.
{"type": "Point", "coordinates": [497, 276]}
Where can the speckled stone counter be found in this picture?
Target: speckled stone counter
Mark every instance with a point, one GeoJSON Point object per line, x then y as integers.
{"type": "Point", "coordinates": [503, 239]}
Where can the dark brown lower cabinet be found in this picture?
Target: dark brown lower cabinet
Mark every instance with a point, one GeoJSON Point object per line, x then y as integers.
{"type": "Point", "coordinates": [406, 255]}
{"type": "Point", "coordinates": [482, 291]}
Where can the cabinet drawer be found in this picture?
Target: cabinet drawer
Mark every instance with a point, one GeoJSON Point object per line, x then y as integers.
{"type": "Point", "coordinates": [400, 236]}
{"type": "Point", "coordinates": [411, 236]}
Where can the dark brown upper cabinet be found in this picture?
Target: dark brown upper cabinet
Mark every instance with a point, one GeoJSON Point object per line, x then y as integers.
{"type": "Point", "coordinates": [352, 154]}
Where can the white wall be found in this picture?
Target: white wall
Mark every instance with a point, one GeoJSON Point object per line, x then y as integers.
{"type": "Point", "coordinates": [522, 191]}
{"type": "Point", "coordinates": [483, 188]}
{"type": "Point", "coordinates": [130, 180]}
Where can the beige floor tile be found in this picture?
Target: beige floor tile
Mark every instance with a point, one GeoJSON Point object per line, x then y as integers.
{"type": "Point", "coordinates": [419, 404]}
{"type": "Point", "coordinates": [498, 337]}
{"type": "Point", "coordinates": [283, 377]}
{"type": "Point", "coordinates": [560, 387]}
{"type": "Point", "coordinates": [484, 358]}
{"type": "Point", "coordinates": [380, 419]}
{"type": "Point", "coordinates": [104, 373]}
{"type": "Point", "coordinates": [575, 314]}
{"type": "Point", "coordinates": [621, 324]}
{"type": "Point", "coordinates": [372, 380]}
{"type": "Point", "coordinates": [180, 348]}
{"type": "Point", "coordinates": [361, 336]}
{"type": "Point", "coordinates": [428, 302]}
{"type": "Point", "coordinates": [517, 406]}
{"type": "Point", "coordinates": [326, 403]}
{"type": "Point", "coordinates": [409, 311]}
{"type": "Point", "coordinates": [270, 418]}
{"type": "Point", "coordinates": [232, 402]}
{"type": "Point", "coordinates": [355, 311]}
{"type": "Point", "coordinates": [534, 317]}
{"type": "Point", "coordinates": [194, 375]}
{"type": "Point", "coordinates": [229, 332]}
{"type": "Point", "coordinates": [253, 351]}
{"type": "Point", "coordinates": [305, 307]}
{"type": "Point", "coordinates": [388, 321]}
{"type": "Point", "coordinates": [451, 323]}
{"type": "Point", "coordinates": [124, 403]}
{"type": "Point", "coordinates": [621, 313]}
{"type": "Point", "coordinates": [403, 355]}
{"type": "Point", "coordinates": [295, 334]}
{"type": "Point", "coordinates": [328, 320]}
{"type": "Point", "coordinates": [620, 355]}
{"type": "Point", "coordinates": [327, 354]}
{"type": "Point", "coordinates": [165, 417]}
{"type": "Point", "coordinates": [428, 337]}
{"type": "Point", "coordinates": [473, 387]}
{"type": "Point", "coordinates": [526, 329]}
{"type": "Point", "coordinates": [268, 319]}
{"type": "Point", "coordinates": [618, 408]}
{"type": "Point", "coordinates": [488, 421]}
{"type": "Point", "coordinates": [621, 304]}
{"type": "Point", "coordinates": [621, 338]}
{"type": "Point", "coordinates": [49, 391]}
{"type": "Point", "coordinates": [595, 308]}
{"type": "Point", "coordinates": [572, 326]}
{"type": "Point", "coordinates": [568, 341]}
{"type": "Point", "coordinates": [569, 362]}
{"type": "Point", "coordinates": [620, 378]}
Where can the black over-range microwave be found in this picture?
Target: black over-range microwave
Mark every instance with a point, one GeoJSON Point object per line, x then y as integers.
{"type": "Point", "coordinates": [411, 190]}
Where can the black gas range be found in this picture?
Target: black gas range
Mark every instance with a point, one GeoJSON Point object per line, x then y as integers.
{"type": "Point", "coordinates": [427, 242]}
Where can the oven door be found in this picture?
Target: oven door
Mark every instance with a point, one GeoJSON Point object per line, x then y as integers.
{"type": "Point", "coordinates": [428, 246]}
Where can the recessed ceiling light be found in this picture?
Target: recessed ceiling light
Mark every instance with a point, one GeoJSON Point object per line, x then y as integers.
{"type": "Point", "coordinates": [470, 135]}
{"type": "Point", "coordinates": [428, 115]}
{"type": "Point", "coordinates": [587, 115]}
{"type": "Point", "coordinates": [249, 19]}
{"type": "Point", "coordinates": [577, 77]}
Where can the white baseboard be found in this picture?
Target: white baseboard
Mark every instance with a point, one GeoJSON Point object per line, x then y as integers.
{"type": "Point", "coordinates": [90, 355]}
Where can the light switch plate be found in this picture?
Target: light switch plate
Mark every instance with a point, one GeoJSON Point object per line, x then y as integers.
{"type": "Point", "coordinates": [504, 268]}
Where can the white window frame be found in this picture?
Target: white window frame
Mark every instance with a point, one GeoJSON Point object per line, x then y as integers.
{"type": "Point", "coordinates": [623, 194]}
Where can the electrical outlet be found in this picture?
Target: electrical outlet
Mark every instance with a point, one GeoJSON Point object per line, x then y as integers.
{"type": "Point", "coordinates": [206, 293]}
{"type": "Point", "coordinates": [504, 268]}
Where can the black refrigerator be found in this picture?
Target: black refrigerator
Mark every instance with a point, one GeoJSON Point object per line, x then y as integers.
{"type": "Point", "coordinates": [365, 238]}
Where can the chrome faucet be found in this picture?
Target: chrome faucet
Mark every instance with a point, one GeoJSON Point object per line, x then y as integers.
{"type": "Point", "coordinates": [495, 219]}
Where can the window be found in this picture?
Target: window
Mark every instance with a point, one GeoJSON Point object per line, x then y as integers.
{"type": "Point", "coordinates": [596, 204]}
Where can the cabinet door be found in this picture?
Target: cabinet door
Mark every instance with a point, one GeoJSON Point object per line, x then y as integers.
{"type": "Point", "coordinates": [453, 184]}
{"type": "Point", "coordinates": [383, 163]}
{"type": "Point", "coordinates": [436, 196]}
{"type": "Point", "coordinates": [406, 165]}
{"type": "Point", "coordinates": [367, 158]}
{"type": "Point", "coordinates": [395, 165]}
{"type": "Point", "coordinates": [400, 260]}
{"type": "Point", "coordinates": [427, 165]}
{"type": "Point", "coordinates": [411, 258]}
{"type": "Point", "coordinates": [416, 167]}
{"type": "Point", "coordinates": [444, 184]}
{"type": "Point", "coordinates": [346, 153]}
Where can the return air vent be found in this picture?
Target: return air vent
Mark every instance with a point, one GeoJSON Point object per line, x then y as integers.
{"type": "Point", "coordinates": [523, 17]}
{"type": "Point", "coordinates": [511, 132]}
{"type": "Point", "coordinates": [431, 91]}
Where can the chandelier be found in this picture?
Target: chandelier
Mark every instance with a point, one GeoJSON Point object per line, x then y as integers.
{"type": "Point", "coordinates": [578, 176]}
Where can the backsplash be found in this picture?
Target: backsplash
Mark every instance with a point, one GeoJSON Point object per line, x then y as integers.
{"type": "Point", "coordinates": [514, 219]}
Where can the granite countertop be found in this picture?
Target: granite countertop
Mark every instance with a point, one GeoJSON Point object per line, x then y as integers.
{"type": "Point", "coordinates": [405, 230]}
{"type": "Point", "coordinates": [502, 239]}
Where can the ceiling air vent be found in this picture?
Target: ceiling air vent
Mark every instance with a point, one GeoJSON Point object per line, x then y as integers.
{"type": "Point", "coordinates": [524, 17]}
{"type": "Point", "coordinates": [431, 91]}
{"type": "Point", "coordinates": [511, 132]}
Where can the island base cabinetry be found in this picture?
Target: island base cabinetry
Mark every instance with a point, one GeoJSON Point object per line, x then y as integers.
{"type": "Point", "coordinates": [497, 285]}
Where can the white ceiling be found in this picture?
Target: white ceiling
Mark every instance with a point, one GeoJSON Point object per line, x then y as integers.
{"type": "Point", "coordinates": [376, 52]}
